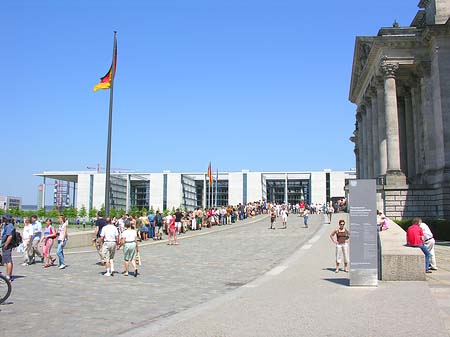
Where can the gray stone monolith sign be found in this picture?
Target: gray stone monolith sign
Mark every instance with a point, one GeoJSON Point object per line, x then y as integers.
{"type": "Point", "coordinates": [363, 233]}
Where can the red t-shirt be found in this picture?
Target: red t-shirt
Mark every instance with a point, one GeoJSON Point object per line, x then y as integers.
{"type": "Point", "coordinates": [414, 235]}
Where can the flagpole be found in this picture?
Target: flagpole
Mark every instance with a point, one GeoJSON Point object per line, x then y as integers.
{"type": "Point", "coordinates": [108, 151]}
{"type": "Point", "coordinates": [217, 183]}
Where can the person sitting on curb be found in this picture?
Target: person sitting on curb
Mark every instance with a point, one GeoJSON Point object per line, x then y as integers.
{"type": "Point", "coordinates": [415, 238]}
{"type": "Point", "coordinates": [428, 240]}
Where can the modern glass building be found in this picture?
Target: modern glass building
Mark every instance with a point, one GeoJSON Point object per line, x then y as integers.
{"type": "Point", "coordinates": [189, 190]}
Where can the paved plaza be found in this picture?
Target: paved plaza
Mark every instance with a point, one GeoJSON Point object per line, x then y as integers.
{"type": "Point", "coordinates": [236, 280]}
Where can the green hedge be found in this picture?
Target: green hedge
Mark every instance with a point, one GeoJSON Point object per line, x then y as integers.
{"type": "Point", "coordinates": [439, 228]}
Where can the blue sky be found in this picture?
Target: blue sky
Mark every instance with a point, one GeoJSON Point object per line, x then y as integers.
{"type": "Point", "coordinates": [246, 84]}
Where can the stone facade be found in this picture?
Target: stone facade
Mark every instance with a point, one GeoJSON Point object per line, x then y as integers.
{"type": "Point", "coordinates": [401, 86]}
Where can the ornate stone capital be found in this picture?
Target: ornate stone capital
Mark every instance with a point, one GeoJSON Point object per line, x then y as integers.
{"type": "Point", "coordinates": [389, 70]}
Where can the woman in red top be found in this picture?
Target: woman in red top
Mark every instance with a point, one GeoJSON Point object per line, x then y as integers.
{"type": "Point", "coordinates": [172, 232]}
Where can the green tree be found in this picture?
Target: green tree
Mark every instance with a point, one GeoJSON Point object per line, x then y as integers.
{"type": "Point", "coordinates": [41, 212]}
{"type": "Point", "coordinates": [82, 212]}
{"type": "Point", "coordinates": [120, 212]}
{"type": "Point", "coordinates": [53, 213]}
{"type": "Point", "coordinates": [152, 211]}
{"type": "Point", "coordinates": [93, 212]}
{"type": "Point", "coordinates": [135, 211]}
{"type": "Point", "coordinates": [112, 213]}
{"type": "Point", "coordinates": [15, 211]}
{"type": "Point", "coordinates": [144, 210]}
{"type": "Point", "coordinates": [102, 209]}
{"type": "Point", "coordinates": [72, 213]}
{"type": "Point", "coordinates": [166, 212]}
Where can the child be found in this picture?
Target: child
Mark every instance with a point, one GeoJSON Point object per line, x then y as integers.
{"type": "Point", "coordinates": [272, 219]}
{"type": "Point", "coordinates": [172, 232]}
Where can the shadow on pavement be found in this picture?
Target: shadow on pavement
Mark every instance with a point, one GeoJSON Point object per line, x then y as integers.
{"type": "Point", "coordinates": [341, 281]}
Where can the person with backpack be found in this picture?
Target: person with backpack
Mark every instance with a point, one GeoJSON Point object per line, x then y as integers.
{"type": "Point", "coordinates": [8, 233]}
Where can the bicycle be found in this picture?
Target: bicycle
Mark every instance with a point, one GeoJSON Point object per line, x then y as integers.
{"type": "Point", "coordinates": [5, 288]}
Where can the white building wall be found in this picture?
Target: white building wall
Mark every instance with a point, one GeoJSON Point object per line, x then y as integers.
{"type": "Point", "coordinates": [174, 190]}
{"type": "Point", "coordinates": [318, 188]}
{"type": "Point", "coordinates": [82, 198]}
{"type": "Point", "coordinates": [235, 191]}
{"type": "Point", "coordinates": [337, 184]}
{"type": "Point", "coordinates": [156, 191]}
{"type": "Point", "coordinates": [254, 186]}
{"type": "Point", "coordinates": [98, 197]}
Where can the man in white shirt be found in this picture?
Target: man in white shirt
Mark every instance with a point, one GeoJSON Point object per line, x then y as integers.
{"type": "Point", "coordinates": [27, 235]}
{"type": "Point", "coordinates": [429, 243]}
{"type": "Point", "coordinates": [37, 232]}
{"type": "Point", "coordinates": [110, 239]}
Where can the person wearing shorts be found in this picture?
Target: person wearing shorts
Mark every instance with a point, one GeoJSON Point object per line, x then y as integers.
{"type": "Point", "coordinates": [273, 216]}
{"type": "Point", "coordinates": [129, 242]}
{"type": "Point", "coordinates": [7, 229]}
{"type": "Point", "coordinates": [110, 242]}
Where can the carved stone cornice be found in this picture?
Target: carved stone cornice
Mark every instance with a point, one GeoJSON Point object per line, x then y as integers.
{"type": "Point", "coordinates": [423, 3]}
{"type": "Point", "coordinates": [389, 70]}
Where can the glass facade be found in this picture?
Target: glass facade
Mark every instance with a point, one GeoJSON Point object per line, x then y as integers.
{"type": "Point", "coordinates": [199, 192]}
{"type": "Point", "coordinates": [222, 193]}
{"type": "Point", "coordinates": [297, 189]}
{"type": "Point", "coordinates": [164, 192]}
{"type": "Point", "coordinates": [118, 192]}
{"type": "Point", "coordinates": [139, 194]}
{"type": "Point", "coordinates": [328, 186]}
{"type": "Point", "coordinates": [244, 188]}
{"type": "Point", "coordinates": [189, 193]}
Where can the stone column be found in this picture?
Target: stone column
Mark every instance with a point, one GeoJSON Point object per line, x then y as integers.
{"type": "Point", "coordinates": [363, 152]}
{"type": "Point", "coordinates": [410, 149]}
{"type": "Point", "coordinates": [359, 163]}
{"type": "Point", "coordinates": [354, 139]}
{"type": "Point", "coordinates": [382, 152]}
{"type": "Point", "coordinates": [368, 137]}
{"type": "Point", "coordinates": [402, 128]}
{"type": "Point", "coordinates": [375, 141]}
{"type": "Point", "coordinates": [424, 71]}
{"type": "Point", "coordinates": [419, 157]}
{"type": "Point", "coordinates": [394, 176]}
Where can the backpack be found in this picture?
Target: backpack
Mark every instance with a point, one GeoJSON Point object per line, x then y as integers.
{"type": "Point", "coordinates": [16, 239]}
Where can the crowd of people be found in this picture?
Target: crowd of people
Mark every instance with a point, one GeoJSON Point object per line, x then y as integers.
{"type": "Point", "coordinates": [112, 234]}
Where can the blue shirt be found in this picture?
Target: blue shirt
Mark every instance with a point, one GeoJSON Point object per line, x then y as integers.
{"type": "Point", "coordinates": [37, 230]}
{"type": "Point", "coordinates": [151, 218]}
{"type": "Point", "coordinates": [7, 231]}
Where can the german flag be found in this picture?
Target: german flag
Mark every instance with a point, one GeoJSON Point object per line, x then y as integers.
{"type": "Point", "coordinates": [105, 81]}
{"type": "Point", "coordinates": [210, 174]}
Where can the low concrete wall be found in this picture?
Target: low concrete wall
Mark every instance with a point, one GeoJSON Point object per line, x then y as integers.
{"type": "Point", "coordinates": [80, 239]}
{"type": "Point", "coordinates": [398, 261]}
